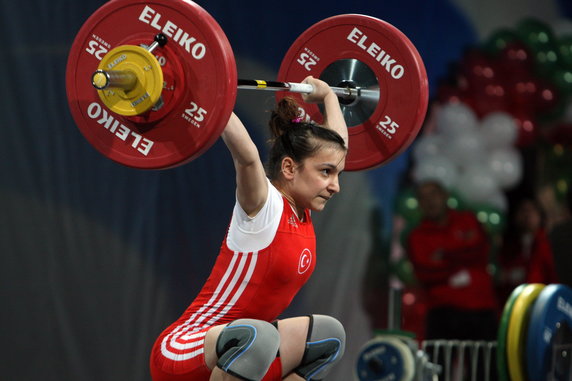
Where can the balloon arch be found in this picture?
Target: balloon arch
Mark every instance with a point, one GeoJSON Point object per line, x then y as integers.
{"type": "Point", "coordinates": [507, 98]}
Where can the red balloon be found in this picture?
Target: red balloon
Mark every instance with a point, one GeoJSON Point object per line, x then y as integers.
{"type": "Point", "coordinates": [477, 70]}
{"type": "Point", "coordinates": [532, 94]}
{"type": "Point", "coordinates": [523, 92]}
{"type": "Point", "coordinates": [547, 97]}
{"type": "Point", "coordinates": [490, 97]}
{"type": "Point", "coordinates": [516, 60]}
{"type": "Point", "coordinates": [527, 128]}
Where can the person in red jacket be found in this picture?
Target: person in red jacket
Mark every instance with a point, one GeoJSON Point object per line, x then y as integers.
{"type": "Point", "coordinates": [526, 254]}
{"type": "Point", "coordinates": [230, 331]}
{"type": "Point", "coordinates": [449, 251]}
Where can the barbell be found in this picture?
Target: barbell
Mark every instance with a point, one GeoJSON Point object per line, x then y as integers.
{"type": "Point", "coordinates": [152, 84]}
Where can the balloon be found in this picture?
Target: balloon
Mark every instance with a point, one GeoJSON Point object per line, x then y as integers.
{"type": "Point", "coordinates": [499, 201]}
{"type": "Point", "coordinates": [535, 34]}
{"type": "Point", "coordinates": [476, 184]}
{"type": "Point", "coordinates": [498, 130]}
{"type": "Point", "coordinates": [499, 39]}
{"type": "Point", "coordinates": [506, 167]}
{"type": "Point", "coordinates": [523, 91]}
{"type": "Point", "coordinates": [547, 97]}
{"type": "Point", "coordinates": [427, 145]}
{"type": "Point", "coordinates": [478, 70]}
{"type": "Point", "coordinates": [516, 60]}
{"type": "Point", "coordinates": [547, 61]}
{"type": "Point", "coordinates": [406, 206]}
{"type": "Point", "coordinates": [490, 98]}
{"type": "Point", "coordinates": [527, 128]}
{"type": "Point", "coordinates": [456, 119]}
{"type": "Point", "coordinates": [455, 201]}
{"type": "Point", "coordinates": [436, 168]}
{"type": "Point", "coordinates": [564, 47]}
{"type": "Point", "coordinates": [403, 270]}
{"type": "Point", "coordinates": [463, 150]}
{"type": "Point", "coordinates": [493, 219]}
{"type": "Point", "coordinates": [562, 78]}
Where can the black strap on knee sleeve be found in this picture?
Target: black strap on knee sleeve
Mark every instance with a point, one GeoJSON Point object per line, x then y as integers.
{"type": "Point", "coordinates": [324, 347]}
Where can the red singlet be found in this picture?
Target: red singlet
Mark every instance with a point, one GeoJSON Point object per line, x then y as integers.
{"type": "Point", "coordinates": [256, 284]}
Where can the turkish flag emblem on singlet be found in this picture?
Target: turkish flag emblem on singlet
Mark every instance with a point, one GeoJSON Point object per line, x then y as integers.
{"type": "Point", "coordinates": [305, 261]}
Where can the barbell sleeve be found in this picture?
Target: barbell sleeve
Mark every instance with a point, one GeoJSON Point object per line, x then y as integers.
{"type": "Point", "coordinates": [105, 79]}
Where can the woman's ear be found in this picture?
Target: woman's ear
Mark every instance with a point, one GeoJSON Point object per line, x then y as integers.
{"type": "Point", "coordinates": [288, 168]}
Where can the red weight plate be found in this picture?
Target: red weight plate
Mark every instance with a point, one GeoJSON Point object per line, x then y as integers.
{"type": "Point", "coordinates": [399, 114]}
{"type": "Point", "coordinates": [199, 92]}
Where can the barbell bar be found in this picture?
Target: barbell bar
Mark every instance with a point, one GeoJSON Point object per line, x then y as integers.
{"type": "Point", "coordinates": [126, 80]}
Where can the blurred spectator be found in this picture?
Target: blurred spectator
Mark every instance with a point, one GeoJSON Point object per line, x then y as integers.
{"type": "Point", "coordinates": [561, 241]}
{"type": "Point", "coordinates": [525, 255]}
{"type": "Point", "coordinates": [449, 251]}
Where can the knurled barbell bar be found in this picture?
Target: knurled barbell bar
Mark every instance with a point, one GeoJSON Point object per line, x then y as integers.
{"type": "Point", "coordinates": [153, 108]}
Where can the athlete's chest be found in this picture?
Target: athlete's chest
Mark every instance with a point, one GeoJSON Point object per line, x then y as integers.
{"type": "Point", "coordinates": [292, 254]}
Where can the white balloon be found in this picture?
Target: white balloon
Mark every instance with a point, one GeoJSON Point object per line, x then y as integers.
{"type": "Point", "coordinates": [455, 119]}
{"type": "Point", "coordinates": [476, 184]}
{"type": "Point", "coordinates": [466, 149]}
{"type": "Point", "coordinates": [436, 168]}
{"type": "Point", "coordinates": [498, 130]}
{"type": "Point", "coordinates": [426, 146]}
{"type": "Point", "coordinates": [506, 167]}
{"type": "Point", "coordinates": [498, 200]}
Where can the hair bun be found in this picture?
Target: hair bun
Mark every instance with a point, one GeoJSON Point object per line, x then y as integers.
{"type": "Point", "coordinates": [283, 116]}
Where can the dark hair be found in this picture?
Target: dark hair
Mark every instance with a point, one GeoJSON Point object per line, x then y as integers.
{"type": "Point", "coordinates": [295, 138]}
{"type": "Point", "coordinates": [433, 183]}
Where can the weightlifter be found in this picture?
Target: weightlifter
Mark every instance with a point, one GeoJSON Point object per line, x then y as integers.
{"type": "Point", "coordinates": [230, 331]}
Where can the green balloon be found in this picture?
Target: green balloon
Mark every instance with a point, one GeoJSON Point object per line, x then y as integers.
{"type": "Point", "coordinates": [562, 79]}
{"type": "Point", "coordinates": [535, 34]}
{"type": "Point", "coordinates": [493, 219]}
{"type": "Point", "coordinates": [455, 201]}
{"type": "Point", "coordinates": [564, 46]}
{"type": "Point", "coordinates": [406, 206]}
{"type": "Point", "coordinates": [547, 61]}
{"type": "Point", "coordinates": [403, 269]}
{"type": "Point", "coordinates": [499, 39]}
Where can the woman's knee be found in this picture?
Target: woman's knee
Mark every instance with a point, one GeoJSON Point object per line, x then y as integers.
{"type": "Point", "coordinates": [246, 348]}
{"type": "Point", "coordinates": [325, 345]}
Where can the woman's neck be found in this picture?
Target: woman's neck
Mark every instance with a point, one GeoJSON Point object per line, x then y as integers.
{"type": "Point", "coordinates": [298, 211]}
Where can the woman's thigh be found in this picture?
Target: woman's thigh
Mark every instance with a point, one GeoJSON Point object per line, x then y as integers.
{"type": "Point", "coordinates": [293, 335]}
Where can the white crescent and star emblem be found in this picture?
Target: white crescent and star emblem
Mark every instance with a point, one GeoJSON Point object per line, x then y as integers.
{"type": "Point", "coordinates": [305, 261]}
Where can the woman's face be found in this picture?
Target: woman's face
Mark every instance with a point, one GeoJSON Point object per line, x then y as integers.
{"type": "Point", "coordinates": [317, 179]}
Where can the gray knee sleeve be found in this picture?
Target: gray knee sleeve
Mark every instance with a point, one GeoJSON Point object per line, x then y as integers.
{"type": "Point", "coordinates": [325, 346]}
{"type": "Point", "coordinates": [246, 348]}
